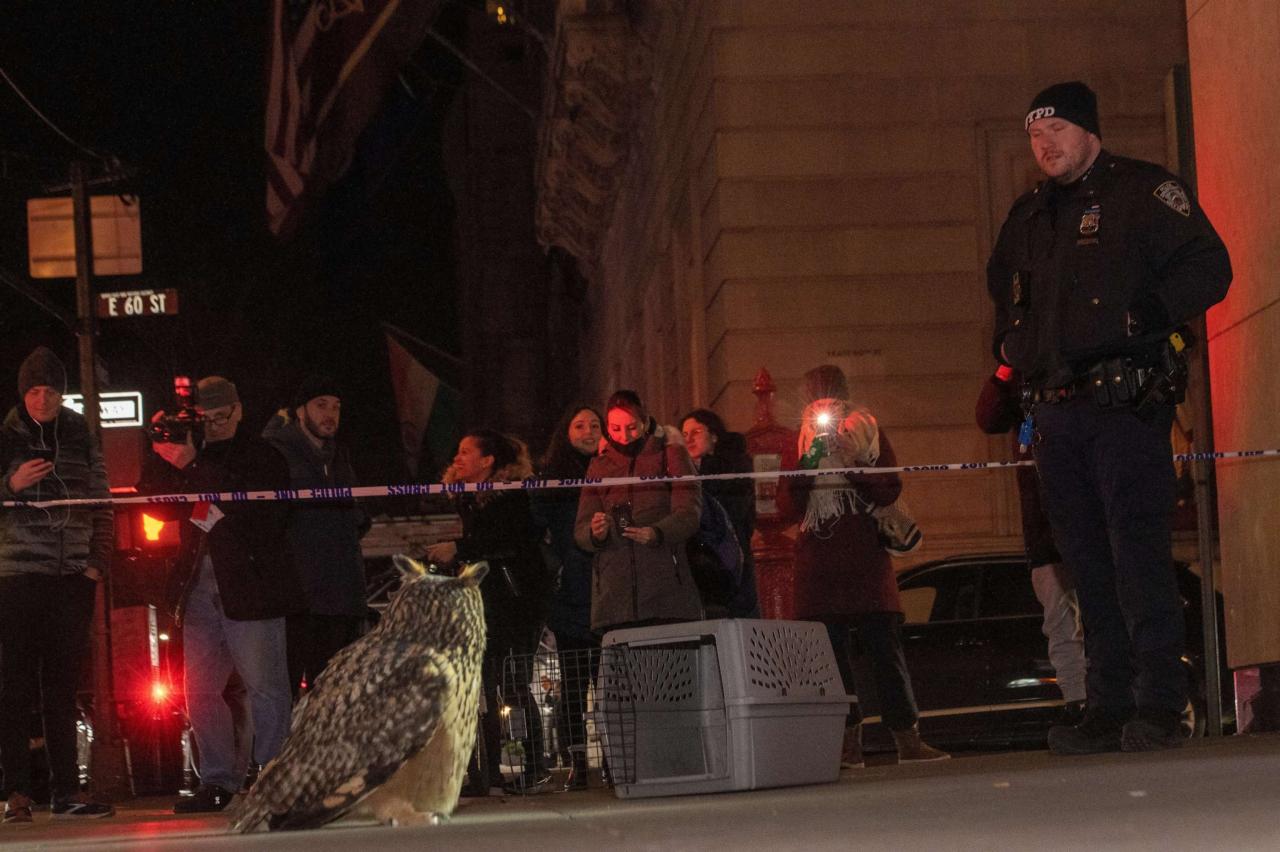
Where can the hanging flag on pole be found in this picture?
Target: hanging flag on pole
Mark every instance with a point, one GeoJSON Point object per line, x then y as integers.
{"type": "Point", "coordinates": [428, 402]}
{"type": "Point", "coordinates": [330, 64]}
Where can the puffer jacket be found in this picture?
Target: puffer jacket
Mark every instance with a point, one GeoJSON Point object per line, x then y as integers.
{"type": "Point", "coordinates": [59, 540]}
{"type": "Point", "coordinates": [633, 582]}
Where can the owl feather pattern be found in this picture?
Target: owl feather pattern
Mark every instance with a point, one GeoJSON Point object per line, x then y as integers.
{"type": "Point", "coordinates": [389, 725]}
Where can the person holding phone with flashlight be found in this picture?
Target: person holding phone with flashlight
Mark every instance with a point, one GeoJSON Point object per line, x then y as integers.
{"type": "Point", "coordinates": [843, 576]}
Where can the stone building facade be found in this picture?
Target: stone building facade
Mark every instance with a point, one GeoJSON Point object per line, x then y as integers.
{"type": "Point", "coordinates": [780, 183]}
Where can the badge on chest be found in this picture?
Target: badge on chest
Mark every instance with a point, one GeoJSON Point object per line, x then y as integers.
{"type": "Point", "coordinates": [1090, 224]}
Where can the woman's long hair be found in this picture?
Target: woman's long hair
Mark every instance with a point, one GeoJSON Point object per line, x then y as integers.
{"type": "Point", "coordinates": [510, 456]}
{"type": "Point", "coordinates": [708, 419]}
{"type": "Point", "coordinates": [562, 460]}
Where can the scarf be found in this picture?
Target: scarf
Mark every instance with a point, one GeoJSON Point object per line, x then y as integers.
{"type": "Point", "coordinates": [633, 449]}
{"type": "Point", "coordinates": [831, 497]}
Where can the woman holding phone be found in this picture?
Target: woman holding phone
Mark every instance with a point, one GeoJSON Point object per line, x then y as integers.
{"type": "Point", "coordinates": [50, 563]}
{"type": "Point", "coordinates": [637, 531]}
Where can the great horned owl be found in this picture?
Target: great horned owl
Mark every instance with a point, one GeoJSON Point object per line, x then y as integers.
{"type": "Point", "coordinates": [389, 725]}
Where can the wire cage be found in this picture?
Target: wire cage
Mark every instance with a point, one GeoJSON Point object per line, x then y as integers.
{"type": "Point", "coordinates": [547, 704]}
{"type": "Point", "coordinates": [569, 718]}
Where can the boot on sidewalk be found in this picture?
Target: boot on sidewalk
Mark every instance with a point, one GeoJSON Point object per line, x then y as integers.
{"type": "Point", "coordinates": [912, 749]}
{"type": "Point", "coordinates": [579, 770]}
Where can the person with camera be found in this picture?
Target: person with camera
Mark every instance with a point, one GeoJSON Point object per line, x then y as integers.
{"type": "Point", "coordinates": [1093, 274]}
{"type": "Point", "coordinates": [51, 561]}
{"type": "Point", "coordinates": [638, 532]}
{"type": "Point", "coordinates": [843, 576]}
{"type": "Point", "coordinates": [233, 585]}
{"type": "Point", "coordinates": [324, 534]}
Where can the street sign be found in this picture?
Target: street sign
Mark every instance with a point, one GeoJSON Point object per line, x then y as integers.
{"type": "Point", "coordinates": [116, 224]}
{"type": "Point", "coordinates": [117, 408]}
{"type": "Point", "coordinates": [137, 303]}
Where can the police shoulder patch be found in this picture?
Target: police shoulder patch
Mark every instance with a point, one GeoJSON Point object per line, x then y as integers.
{"type": "Point", "coordinates": [1174, 197]}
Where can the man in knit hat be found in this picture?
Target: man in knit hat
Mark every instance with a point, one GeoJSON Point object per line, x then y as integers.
{"type": "Point", "coordinates": [51, 560]}
{"type": "Point", "coordinates": [325, 535]}
{"type": "Point", "coordinates": [233, 586]}
{"type": "Point", "coordinates": [1093, 275]}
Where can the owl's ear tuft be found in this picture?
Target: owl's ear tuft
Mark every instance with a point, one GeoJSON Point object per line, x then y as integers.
{"type": "Point", "coordinates": [473, 572]}
{"type": "Point", "coordinates": [408, 566]}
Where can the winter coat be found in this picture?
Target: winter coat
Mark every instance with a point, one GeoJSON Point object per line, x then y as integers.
{"type": "Point", "coordinates": [1074, 264]}
{"type": "Point", "coordinates": [556, 511]}
{"type": "Point", "coordinates": [498, 528]}
{"type": "Point", "coordinates": [738, 496]}
{"type": "Point", "coordinates": [59, 540]}
{"type": "Point", "coordinates": [252, 562]}
{"type": "Point", "coordinates": [634, 582]}
{"type": "Point", "coordinates": [998, 412]}
{"type": "Point", "coordinates": [841, 568]}
{"type": "Point", "coordinates": [324, 534]}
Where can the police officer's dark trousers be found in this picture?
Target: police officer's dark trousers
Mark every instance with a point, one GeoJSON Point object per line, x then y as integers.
{"type": "Point", "coordinates": [1108, 482]}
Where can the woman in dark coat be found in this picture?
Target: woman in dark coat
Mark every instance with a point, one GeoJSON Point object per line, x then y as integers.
{"type": "Point", "coordinates": [497, 527]}
{"type": "Point", "coordinates": [637, 532]}
{"type": "Point", "coordinates": [843, 576]}
{"type": "Point", "coordinates": [714, 449]}
{"type": "Point", "coordinates": [575, 441]}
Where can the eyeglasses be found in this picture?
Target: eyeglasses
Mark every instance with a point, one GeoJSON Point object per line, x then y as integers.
{"type": "Point", "coordinates": [220, 419]}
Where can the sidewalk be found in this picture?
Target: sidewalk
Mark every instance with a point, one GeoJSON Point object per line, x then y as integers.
{"type": "Point", "coordinates": [1218, 794]}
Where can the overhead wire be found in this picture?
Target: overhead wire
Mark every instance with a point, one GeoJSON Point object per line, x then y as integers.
{"type": "Point", "coordinates": [48, 122]}
{"type": "Point", "coordinates": [479, 72]}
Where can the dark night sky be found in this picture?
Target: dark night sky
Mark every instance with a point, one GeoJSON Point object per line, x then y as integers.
{"type": "Point", "coordinates": [176, 91]}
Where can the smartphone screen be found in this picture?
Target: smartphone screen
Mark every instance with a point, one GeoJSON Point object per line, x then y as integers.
{"type": "Point", "coordinates": [45, 453]}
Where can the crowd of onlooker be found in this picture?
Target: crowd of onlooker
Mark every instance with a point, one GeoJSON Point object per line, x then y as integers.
{"type": "Point", "coordinates": [652, 543]}
{"type": "Point", "coordinates": [632, 551]}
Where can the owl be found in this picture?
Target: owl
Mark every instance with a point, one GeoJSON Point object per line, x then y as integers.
{"type": "Point", "coordinates": [388, 727]}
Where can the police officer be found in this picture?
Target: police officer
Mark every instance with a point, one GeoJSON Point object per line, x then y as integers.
{"type": "Point", "coordinates": [1092, 274]}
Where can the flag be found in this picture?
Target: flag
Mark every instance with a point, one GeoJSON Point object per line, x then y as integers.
{"type": "Point", "coordinates": [330, 64]}
{"type": "Point", "coordinates": [428, 402]}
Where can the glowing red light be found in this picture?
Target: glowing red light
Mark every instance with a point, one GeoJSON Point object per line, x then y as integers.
{"type": "Point", "coordinates": [159, 692]}
{"type": "Point", "coordinates": [151, 527]}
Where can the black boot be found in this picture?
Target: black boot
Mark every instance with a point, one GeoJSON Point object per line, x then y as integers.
{"type": "Point", "coordinates": [578, 770]}
{"type": "Point", "coordinates": [1072, 714]}
{"type": "Point", "coordinates": [209, 798]}
{"type": "Point", "coordinates": [1098, 733]}
{"type": "Point", "coordinates": [1152, 731]}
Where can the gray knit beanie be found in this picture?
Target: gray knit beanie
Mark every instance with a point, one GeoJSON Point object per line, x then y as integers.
{"type": "Point", "coordinates": [42, 367]}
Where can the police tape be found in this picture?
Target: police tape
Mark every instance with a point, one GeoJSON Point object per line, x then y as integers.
{"type": "Point", "coordinates": [426, 489]}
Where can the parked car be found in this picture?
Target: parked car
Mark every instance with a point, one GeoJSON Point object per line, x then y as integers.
{"type": "Point", "coordinates": [980, 665]}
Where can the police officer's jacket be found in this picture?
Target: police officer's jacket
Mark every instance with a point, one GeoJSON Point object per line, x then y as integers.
{"type": "Point", "coordinates": [1079, 270]}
